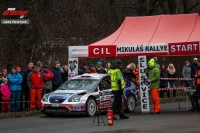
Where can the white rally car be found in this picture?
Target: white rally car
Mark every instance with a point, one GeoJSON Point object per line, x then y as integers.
{"type": "Point", "coordinates": [84, 94]}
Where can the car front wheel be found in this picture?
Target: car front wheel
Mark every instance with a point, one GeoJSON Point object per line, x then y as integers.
{"type": "Point", "coordinates": [91, 107]}
{"type": "Point", "coordinates": [131, 103]}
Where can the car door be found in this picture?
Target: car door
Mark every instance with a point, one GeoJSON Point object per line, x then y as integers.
{"type": "Point", "coordinates": [105, 93]}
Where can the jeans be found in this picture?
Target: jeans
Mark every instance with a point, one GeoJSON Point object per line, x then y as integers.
{"type": "Point", "coordinates": [15, 100]}
{"type": "Point", "coordinates": [187, 83]}
{"type": "Point", "coordinates": [45, 91]}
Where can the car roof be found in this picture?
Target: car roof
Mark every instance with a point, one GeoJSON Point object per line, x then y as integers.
{"type": "Point", "coordinates": [91, 75]}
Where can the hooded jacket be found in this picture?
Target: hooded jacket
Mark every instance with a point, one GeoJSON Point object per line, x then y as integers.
{"type": "Point", "coordinates": [35, 80]}
{"type": "Point", "coordinates": [153, 75]}
{"type": "Point", "coordinates": [5, 92]}
{"type": "Point", "coordinates": [15, 81]}
{"type": "Point", "coordinates": [186, 72]}
{"type": "Point", "coordinates": [48, 76]}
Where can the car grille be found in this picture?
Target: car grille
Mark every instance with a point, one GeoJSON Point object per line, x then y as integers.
{"type": "Point", "coordinates": [56, 100]}
{"type": "Point", "coordinates": [60, 111]}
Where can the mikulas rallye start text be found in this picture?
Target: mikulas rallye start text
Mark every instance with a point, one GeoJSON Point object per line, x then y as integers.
{"type": "Point", "coordinates": [83, 94]}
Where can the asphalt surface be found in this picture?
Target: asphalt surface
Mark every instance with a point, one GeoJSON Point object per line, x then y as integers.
{"type": "Point", "coordinates": [171, 120]}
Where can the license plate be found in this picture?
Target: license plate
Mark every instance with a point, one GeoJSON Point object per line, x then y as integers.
{"type": "Point", "coordinates": [55, 105]}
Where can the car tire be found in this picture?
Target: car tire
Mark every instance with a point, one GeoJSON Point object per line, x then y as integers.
{"type": "Point", "coordinates": [91, 107]}
{"type": "Point", "coordinates": [131, 103]}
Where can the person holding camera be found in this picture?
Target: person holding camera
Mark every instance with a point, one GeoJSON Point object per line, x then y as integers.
{"type": "Point", "coordinates": [100, 68]}
{"type": "Point", "coordinates": [171, 73]}
{"type": "Point", "coordinates": [117, 86]}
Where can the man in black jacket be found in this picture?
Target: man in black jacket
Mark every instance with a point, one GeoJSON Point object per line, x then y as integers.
{"type": "Point", "coordinates": [25, 89]}
{"type": "Point", "coordinates": [194, 67]}
{"type": "Point", "coordinates": [194, 97]}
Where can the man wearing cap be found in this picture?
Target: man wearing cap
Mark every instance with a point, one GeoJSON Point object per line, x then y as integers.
{"type": "Point", "coordinates": [100, 68]}
{"type": "Point", "coordinates": [194, 97]}
{"type": "Point", "coordinates": [15, 81]}
{"type": "Point", "coordinates": [153, 75]}
{"type": "Point", "coordinates": [117, 86]}
{"type": "Point", "coordinates": [194, 67]}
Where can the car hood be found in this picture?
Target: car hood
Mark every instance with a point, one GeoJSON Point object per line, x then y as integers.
{"type": "Point", "coordinates": [64, 94]}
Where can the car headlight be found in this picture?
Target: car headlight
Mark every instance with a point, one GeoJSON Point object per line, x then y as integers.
{"type": "Point", "coordinates": [45, 97]}
{"type": "Point", "coordinates": [74, 99]}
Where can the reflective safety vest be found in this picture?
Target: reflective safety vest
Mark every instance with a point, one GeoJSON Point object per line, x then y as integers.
{"type": "Point", "coordinates": [108, 70]}
{"type": "Point", "coordinates": [198, 79]}
{"type": "Point", "coordinates": [114, 84]}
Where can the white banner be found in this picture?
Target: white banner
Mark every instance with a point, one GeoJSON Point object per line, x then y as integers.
{"type": "Point", "coordinates": [142, 48]}
{"type": "Point", "coordinates": [78, 51]}
{"type": "Point", "coordinates": [72, 67]}
{"type": "Point", "coordinates": [144, 93]}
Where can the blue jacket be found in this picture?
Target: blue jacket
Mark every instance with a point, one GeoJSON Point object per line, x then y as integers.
{"type": "Point", "coordinates": [15, 81]}
{"type": "Point", "coordinates": [57, 80]}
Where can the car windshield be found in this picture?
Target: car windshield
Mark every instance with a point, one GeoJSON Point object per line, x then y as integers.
{"type": "Point", "coordinates": [79, 84]}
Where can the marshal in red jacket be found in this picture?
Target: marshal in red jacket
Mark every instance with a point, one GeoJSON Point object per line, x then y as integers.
{"type": "Point", "coordinates": [35, 80]}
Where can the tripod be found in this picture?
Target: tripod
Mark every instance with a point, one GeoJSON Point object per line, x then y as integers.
{"type": "Point", "coordinates": [97, 114]}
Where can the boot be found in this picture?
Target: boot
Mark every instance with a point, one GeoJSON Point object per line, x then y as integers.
{"type": "Point", "coordinates": [122, 116]}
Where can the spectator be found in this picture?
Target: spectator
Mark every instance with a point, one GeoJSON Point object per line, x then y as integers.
{"type": "Point", "coordinates": [108, 68]}
{"type": "Point", "coordinates": [153, 75]}
{"type": "Point", "coordinates": [25, 88]}
{"type": "Point", "coordinates": [156, 61]}
{"type": "Point", "coordinates": [186, 72]}
{"type": "Point", "coordinates": [40, 65]}
{"type": "Point", "coordinates": [57, 80]}
{"type": "Point", "coordinates": [36, 84]}
{"type": "Point", "coordinates": [3, 74]}
{"type": "Point", "coordinates": [19, 70]}
{"type": "Point", "coordinates": [163, 83]}
{"type": "Point", "coordinates": [194, 67]}
{"type": "Point", "coordinates": [82, 69]}
{"type": "Point", "coordinates": [65, 73]}
{"type": "Point", "coordinates": [194, 97]}
{"type": "Point", "coordinates": [137, 78]}
{"type": "Point", "coordinates": [48, 76]}
{"type": "Point", "coordinates": [131, 67]}
{"type": "Point", "coordinates": [171, 73]}
{"type": "Point", "coordinates": [100, 68]}
{"type": "Point", "coordinates": [15, 82]}
{"type": "Point", "coordinates": [5, 96]}
{"type": "Point", "coordinates": [92, 69]}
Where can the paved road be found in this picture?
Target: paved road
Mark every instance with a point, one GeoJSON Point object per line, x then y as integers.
{"type": "Point", "coordinates": [171, 120]}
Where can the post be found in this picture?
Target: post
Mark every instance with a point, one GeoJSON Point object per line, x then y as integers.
{"type": "Point", "coordinates": [144, 90]}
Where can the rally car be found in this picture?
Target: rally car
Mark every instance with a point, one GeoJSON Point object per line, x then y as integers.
{"type": "Point", "coordinates": [85, 94]}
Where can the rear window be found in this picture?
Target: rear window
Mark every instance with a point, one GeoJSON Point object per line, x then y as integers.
{"type": "Point", "coordinates": [79, 84]}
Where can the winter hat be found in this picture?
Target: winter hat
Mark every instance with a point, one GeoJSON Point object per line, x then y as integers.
{"type": "Point", "coordinates": [118, 62]}
{"type": "Point", "coordinates": [151, 62]}
{"type": "Point", "coordinates": [195, 59]}
{"type": "Point", "coordinates": [46, 66]}
{"type": "Point", "coordinates": [39, 63]}
{"type": "Point", "coordinates": [18, 67]}
{"type": "Point", "coordinates": [4, 80]}
{"type": "Point", "coordinates": [156, 59]}
{"type": "Point", "coordinates": [99, 63]}
{"type": "Point", "coordinates": [13, 67]}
